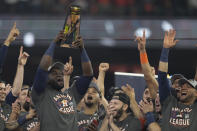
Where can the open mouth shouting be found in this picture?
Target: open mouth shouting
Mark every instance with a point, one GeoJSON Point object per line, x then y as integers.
{"type": "Point", "coordinates": [89, 97]}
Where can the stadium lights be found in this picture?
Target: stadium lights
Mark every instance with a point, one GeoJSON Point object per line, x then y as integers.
{"type": "Point", "coordinates": [109, 27]}
{"type": "Point", "coordinates": [166, 26]}
{"type": "Point", "coordinates": [29, 39]}
{"type": "Point", "coordinates": [139, 32]}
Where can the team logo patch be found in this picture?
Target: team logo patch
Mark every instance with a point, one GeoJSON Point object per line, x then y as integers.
{"type": "Point", "coordinates": [64, 103]}
{"type": "Point", "coordinates": [180, 117]}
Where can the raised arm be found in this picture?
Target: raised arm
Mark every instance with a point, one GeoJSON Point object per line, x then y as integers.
{"type": "Point", "coordinates": [84, 81]}
{"type": "Point", "coordinates": [133, 104]}
{"type": "Point", "coordinates": [4, 49]}
{"type": "Point", "coordinates": [18, 80]}
{"type": "Point", "coordinates": [47, 59]}
{"type": "Point", "coordinates": [164, 86]}
{"type": "Point", "coordinates": [149, 75]}
{"type": "Point", "coordinates": [68, 69]}
{"type": "Point", "coordinates": [103, 67]}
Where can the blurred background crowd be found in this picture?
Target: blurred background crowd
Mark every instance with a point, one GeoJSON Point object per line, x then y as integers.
{"type": "Point", "coordinates": [176, 8]}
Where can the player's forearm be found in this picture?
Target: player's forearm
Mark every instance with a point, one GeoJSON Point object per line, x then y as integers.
{"type": "Point", "coordinates": [40, 80]}
{"type": "Point", "coordinates": [100, 82]}
{"type": "Point", "coordinates": [163, 63]}
{"type": "Point", "coordinates": [86, 63]}
{"type": "Point", "coordinates": [145, 64]}
{"type": "Point", "coordinates": [104, 102]}
{"type": "Point", "coordinates": [164, 86]}
{"type": "Point", "coordinates": [18, 81]}
{"type": "Point", "coordinates": [149, 78]}
{"type": "Point", "coordinates": [12, 123]}
{"type": "Point", "coordinates": [47, 58]}
{"type": "Point", "coordinates": [3, 54]}
{"type": "Point", "coordinates": [152, 124]}
{"type": "Point", "coordinates": [135, 108]}
{"type": "Point", "coordinates": [66, 82]}
{"type": "Point", "coordinates": [13, 117]}
{"type": "Point", "coordinates": [153, 89]}
{"type": "Point", "coordinates": [104, 126]}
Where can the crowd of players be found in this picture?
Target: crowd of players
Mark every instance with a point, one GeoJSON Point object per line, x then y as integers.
{"type": "Point", "coordinates": [52, 104]}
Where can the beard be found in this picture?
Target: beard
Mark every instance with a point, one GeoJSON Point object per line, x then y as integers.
{"type": "Point", "coordinates": [89, 105]}
{"type": "Point", "coordinates": [55, 85]}
{"type": "Point", "coordinates": [119, 113]}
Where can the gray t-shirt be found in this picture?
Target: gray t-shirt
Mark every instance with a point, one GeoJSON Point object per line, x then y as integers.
{"type": "Point", "coordinates": [5, 111]}
{"type": "Point", "coordinates": [57, 110]}
{"type": "Point", "coordinates": [83, 121]}
{"type": "Point", "coordinates": [177, 116]}
{"type": "Point", "coordinates": [29, 124]}
{"type": "Point", "coordinates": [129, 124]}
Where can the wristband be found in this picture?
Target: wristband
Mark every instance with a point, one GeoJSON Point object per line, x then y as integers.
{"type": "Point", "coordinates": [143, 58]}
{"type": "Point", "coordinates": [164, 55]}
{"type": "Point", "coordinates": [149, 118]}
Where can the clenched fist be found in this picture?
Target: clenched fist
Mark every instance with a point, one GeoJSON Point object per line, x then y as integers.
{"type": "Point", "coordinates": [104, 67]}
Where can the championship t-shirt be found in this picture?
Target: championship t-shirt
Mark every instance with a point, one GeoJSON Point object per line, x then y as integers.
{"type": "Point", "coordinates": [5, 111]}
{"type": "Point", "coordinates": [129, 124]}
{"type": "Point", "coordinates": [177, 116]}
{"type": "Point", "coordinates": [56, 109]}
{"type": "Point", "coordinates": [29, 124]}
{"type": "Point", "coordinates": [83, 121]}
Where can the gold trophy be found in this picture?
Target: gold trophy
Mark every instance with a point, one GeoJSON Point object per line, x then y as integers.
{"type": "Point", "coordinates": [71, 27]}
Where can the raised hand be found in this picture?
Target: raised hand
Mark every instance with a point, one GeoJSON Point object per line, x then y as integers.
{"type": "Point", "coordinates": [22, 59]}
{"type": "Point", "coordinates": [60, 37]}
{"type": "Point", "coordinates": [141, 41]}
{"type": "Point", "coordinates": [68, 67]}
{"type": "Point", "coordinates": [128, 90]}
{"type": "Point", "coordinates": [104, 67]}
{"type": "Point", "coordinates": [16, 108]}
{"type": "Point", "coordinates": [12, 35]}
{"type": "Point", "coordinates": [31, 114]}
{"type": "Point", "coordinates": [146, 106]}
{"type": "Point", "coordinates": [78, 43]}
{"type": "Point", "coordinates": [111, 119]}
{"type": "Point", "coordinates": [169, 39]}
{"type": "Point", "coordinates": [8, 88]}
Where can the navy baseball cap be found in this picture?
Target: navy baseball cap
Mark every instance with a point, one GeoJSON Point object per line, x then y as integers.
{"type": "Point", "coordinates": [56, 65]}
{"type": "Point", "coordinates": [192, 83]}
{"type": "Point", "coordinates": [94, 85]}
{"type": "Point", "coordinates": [175, 77]}
{"type": "Point", "coordinates": [122, 97]}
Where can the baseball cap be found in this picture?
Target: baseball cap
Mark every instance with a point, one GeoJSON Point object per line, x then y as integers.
{"type": "Point", "coordinates": [192, 83]}
{"type": "Point", "coordinates": [175, 77]}
{"type": "Point", "coordinates": [56, 65]}
{"type": "Point", "coordinates": [122, 97]}
{"type": "Point", "coordinates": [112, 90]}
{"type": "Point", "coordinates": [94, 85]}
